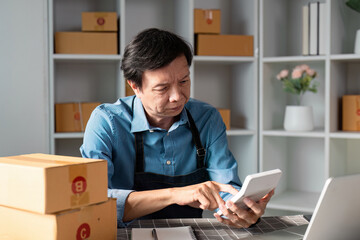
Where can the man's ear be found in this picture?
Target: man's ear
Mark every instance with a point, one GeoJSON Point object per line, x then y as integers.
{"type": "Point", "coordinates": [134, 87]}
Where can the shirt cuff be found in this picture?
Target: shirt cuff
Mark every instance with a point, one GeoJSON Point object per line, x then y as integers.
{"type": "Point", "coordinates": [121, 196]}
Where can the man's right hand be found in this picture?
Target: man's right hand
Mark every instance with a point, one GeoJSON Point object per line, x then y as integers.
{"type": "Point", "coordinates": [203, 195]}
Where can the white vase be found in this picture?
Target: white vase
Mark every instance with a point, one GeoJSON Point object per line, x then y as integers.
{"type": "Point", "coordinates": [299, 118]}
{"type": "Point", "coordinates": [357, 42]}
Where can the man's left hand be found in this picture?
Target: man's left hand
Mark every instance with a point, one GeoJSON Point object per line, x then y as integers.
{"type": "Point", "coordinates": [242, 218]}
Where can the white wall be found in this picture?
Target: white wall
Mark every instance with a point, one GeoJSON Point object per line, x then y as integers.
{"type": "Point", "coordinates": [24, 124]}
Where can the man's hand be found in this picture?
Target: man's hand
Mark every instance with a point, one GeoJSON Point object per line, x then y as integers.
{"type": "Point", "coordinates": [242, 218]}
{"type": "Point", "coordinates": [203, 195]}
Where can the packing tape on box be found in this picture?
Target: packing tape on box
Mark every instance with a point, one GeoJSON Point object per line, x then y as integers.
{"type": "Point", "coordinates": [208, 15]}
{"type": "Point", "coordinates": [81, 118]}
{"type": "Point", "coordinates": [21, 160]}
{"type": "Point", "coordinates": [86, 214]}
{"type": "Point", "coordinates": [358, 112]}
{"type": "Point", "coordinates": [100, 20]}
{"type": "Point", "coordinates": [79, 184]}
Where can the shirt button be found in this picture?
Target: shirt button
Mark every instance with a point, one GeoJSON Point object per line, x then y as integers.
{"type": "Point", "coordinates": [168, 162]}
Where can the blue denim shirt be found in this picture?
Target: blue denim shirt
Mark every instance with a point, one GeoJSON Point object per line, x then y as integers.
{"type": "Point", "coordinates": [109, 136]}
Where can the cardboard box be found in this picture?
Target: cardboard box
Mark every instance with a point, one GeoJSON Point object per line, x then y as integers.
{"type": "Point", "coordinates": [86, 43]}
{"type": "Point", "coordinates": [73, 117]}
{"type": "Point", "coordinates": [225, 114]}
{"type": "Point", "coordinates": [351, 113]}
{"type": "Point", "coordinates": [224, 45]}
{"type": "Point", "coordinates": [96, 221]}
{"type": "Point", "coordinates": [49, 183]}
{"type": "Point", "coordinates": [99, 21]}
{"type": "Point", "coordinates": [128, 90]}
{"type": "Point", "coordinates": [207, 21]}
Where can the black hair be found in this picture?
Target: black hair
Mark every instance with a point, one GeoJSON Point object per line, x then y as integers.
{"type": "Point", "coordinates": [152, 49]}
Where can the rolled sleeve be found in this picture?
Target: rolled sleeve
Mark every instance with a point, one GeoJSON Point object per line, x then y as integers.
{"type": "Point", "coordinates": [121, 196]}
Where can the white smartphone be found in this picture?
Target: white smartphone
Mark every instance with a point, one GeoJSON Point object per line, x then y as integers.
{"type": "Point", "coordinates": [256, 186]}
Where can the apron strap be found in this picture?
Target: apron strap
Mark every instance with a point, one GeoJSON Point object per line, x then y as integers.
{"type": "Point", "coordinates": [139, 145]}
{"type": "Point", "coordinates": [139, 150]}
{"type": "Point", "coordinates": [200, 151]}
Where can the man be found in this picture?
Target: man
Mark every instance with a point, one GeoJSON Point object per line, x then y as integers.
{"type": "Point", "coordinates": [167, 154]}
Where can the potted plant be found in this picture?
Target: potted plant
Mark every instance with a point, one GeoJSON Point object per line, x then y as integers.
{"type": "Point", "coordinates": [300, 81]}
{"type": "Point", "coordinates": [355, 5]}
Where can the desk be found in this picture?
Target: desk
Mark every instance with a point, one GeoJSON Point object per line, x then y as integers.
{"type": "Point", "coordinates": [210, 228]}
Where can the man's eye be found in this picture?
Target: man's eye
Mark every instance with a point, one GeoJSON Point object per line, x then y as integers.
{"type": "Point", "coordinates": [161, 89]}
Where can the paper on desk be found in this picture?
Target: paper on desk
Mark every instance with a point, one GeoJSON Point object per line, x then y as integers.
{"type": "Point", "coordinates": [173, 233]}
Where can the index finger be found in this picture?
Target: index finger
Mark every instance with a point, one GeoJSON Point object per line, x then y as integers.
{"type": "Point", "coordinates": [227, 188]}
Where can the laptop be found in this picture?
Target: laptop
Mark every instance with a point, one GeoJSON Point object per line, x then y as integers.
{"type": "Point", "coordinates": [336, 215]}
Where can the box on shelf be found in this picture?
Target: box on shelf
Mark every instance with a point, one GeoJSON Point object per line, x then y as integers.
{"type": "Point", "coordinates": [225, 114]}
{"type": "Point", "coordinates": [97, 221]}
{"type": "Point", "coordinates": [351, 113]}
{"type": "Point", "coordinates": [73, 117]}
{"type": "Point", "coordinates": [207, 21]}
{"type": "Point", "coordinates": [128, 90]}
{"type": "Point", "coordinates": [224, 45]}
{"type": "Point", "coordinates": [46, 183]}
{"type": "Point", "coordinates": [99, 21]}
{"type": "Point", "coordinates": [86, 42]}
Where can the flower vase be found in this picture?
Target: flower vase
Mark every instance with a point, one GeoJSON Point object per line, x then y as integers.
{"type": "Point", "coordinates": [299, 118]}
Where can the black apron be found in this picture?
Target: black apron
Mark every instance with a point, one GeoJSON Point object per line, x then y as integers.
{"type": "Point", "coordinates": [151, 181]}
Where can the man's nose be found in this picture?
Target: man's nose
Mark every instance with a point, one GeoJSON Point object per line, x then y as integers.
{"type": "Point", "coordinates": [175, 94]}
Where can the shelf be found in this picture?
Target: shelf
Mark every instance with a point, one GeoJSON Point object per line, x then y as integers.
{"type": "Point", "coordinates": [293, 59]}
{"type": "Point", "coordinates": [345, 135]}
{"type": "Point", "coordinates": [222, 59]}
{"type": "Point", "coordinates": [346, 57]}
{"type": "Point", "coordinates": [72, 135]}
{"type": "Point", "coordinates": [294, 201]}
{"type": "Point", "coordinates": [240, 132]}
{"type": "Point", "coordinates": [317, 133]}
{"type": "Point", "coordinates": [87, 57]}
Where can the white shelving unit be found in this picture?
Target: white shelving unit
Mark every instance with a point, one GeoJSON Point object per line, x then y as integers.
{"type": "Point", "coordinates": [224, 82]}
{"type": "Point", "coordinates": [307, 158]}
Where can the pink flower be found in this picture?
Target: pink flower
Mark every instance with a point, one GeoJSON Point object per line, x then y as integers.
{"type": "Point", "coordinates": [283, 74]}
{"type": "Point", "coordinates": [296, 73]}
{"type": "Point", "coordinates": [303, 67]}
{"type": "Point", "coordinates": [310, 72]}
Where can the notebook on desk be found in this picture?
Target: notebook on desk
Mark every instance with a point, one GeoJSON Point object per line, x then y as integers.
{"type": "Point", "coordinates": [174, 233]}
{"type": "Point", "coordinates": [336, 215]}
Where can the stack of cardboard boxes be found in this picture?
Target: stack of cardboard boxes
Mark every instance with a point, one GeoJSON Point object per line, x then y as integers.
{"type": "Point", "coordinates": [98, 35]}
{"type": "Point", "coordinates": [55, 197]}
{"type": "Point", "coordinates": [209, 41]}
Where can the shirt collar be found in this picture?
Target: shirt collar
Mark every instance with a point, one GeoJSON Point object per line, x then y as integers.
{"type": "Point", "coordinates": [140, 122]}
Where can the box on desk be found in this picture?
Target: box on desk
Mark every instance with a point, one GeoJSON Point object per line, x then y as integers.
{"type": "Point", "coordinates": [225, 114]}
{"type": "Point", "coordinates": [351, 113]}
{"type": "Point", "coordinates": [224, 45]}
{"type": "Point", "coordinates": [97, 221]}
{"type": "Point", "coordinates": [45, 183]}
{"type": "Point", "coordinates": [86, 42]}
{"type": "Point", "coordinates": [99, 21]}
{"type": "Point", "coordinates": [73, 117]}
{"type": "Point", "coordinates": [207, 21]}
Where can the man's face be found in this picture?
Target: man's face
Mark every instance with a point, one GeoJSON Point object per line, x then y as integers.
{"type": "Point", "coordinates": [165, 91]}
